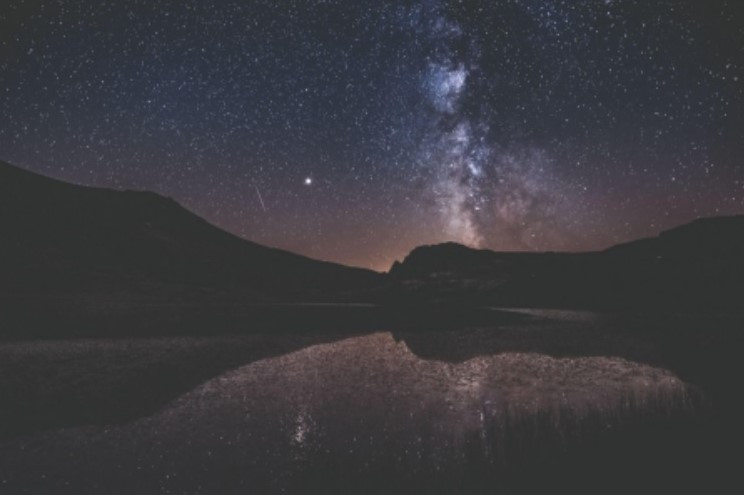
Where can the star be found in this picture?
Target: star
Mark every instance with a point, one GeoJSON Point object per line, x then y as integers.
{"type": "Point", "coordinates": [512, 125]}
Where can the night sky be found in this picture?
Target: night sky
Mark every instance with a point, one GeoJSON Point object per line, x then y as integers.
{"type": "Point", "coordinates": [354, 131]}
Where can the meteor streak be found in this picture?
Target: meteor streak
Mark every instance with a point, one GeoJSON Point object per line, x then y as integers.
{"type": "Point", "coordinates": [259, 197]}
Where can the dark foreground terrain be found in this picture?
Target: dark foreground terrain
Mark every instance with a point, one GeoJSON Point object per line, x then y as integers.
{"type": "Point", "coordinates": [503, 402]}
{"type": "Point", "coordinates": [60, 240]}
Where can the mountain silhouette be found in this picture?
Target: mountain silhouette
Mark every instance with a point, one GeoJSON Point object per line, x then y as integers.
{"type": "Point", "coordinates": [698, 264]}
{"type": "Point", "coordinates": [61, 237]}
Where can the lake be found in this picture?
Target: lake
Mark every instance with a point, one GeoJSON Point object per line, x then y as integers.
{"type": "Point", "coordinates": [461, 411]}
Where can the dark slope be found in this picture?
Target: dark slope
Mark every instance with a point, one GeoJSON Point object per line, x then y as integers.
{"type": "Point", "coordinates": [699, 264]}
{"type": "Point", "coordinates": [56, 236]}
{"type": "Point", "coordinates": [59, 238]}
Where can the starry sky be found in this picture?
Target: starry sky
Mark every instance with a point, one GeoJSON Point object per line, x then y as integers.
{"type": "Point", "coordinates": [353, 131]}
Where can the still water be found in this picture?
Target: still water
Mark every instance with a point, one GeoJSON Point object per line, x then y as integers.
{"type": "Point", "coordinates": [364, 414]}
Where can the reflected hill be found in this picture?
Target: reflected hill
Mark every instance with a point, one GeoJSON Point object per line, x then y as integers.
{"type": "Point", "coordinates": [50, 383]}
{"type": "Point", "coordinates": [62, 383]}
{"type": "Point", "coordinates": [702, 349]}
{"type": "Point", "coordinates": [366, 415]}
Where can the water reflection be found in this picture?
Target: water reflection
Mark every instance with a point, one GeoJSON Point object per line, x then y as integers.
{"type": "Point", "coordinates": [356, 409]}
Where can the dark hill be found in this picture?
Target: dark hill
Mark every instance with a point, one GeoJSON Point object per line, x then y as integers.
{"type": "Point", "coordinates": [700, 264]}
{"type": "Point", "coordinates": [59, 237]}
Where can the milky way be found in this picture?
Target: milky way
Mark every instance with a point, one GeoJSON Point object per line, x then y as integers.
{"type": "Point", "coordinates": [356, 130]}
{"type": "Point", "coordinates": [485, 194]}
